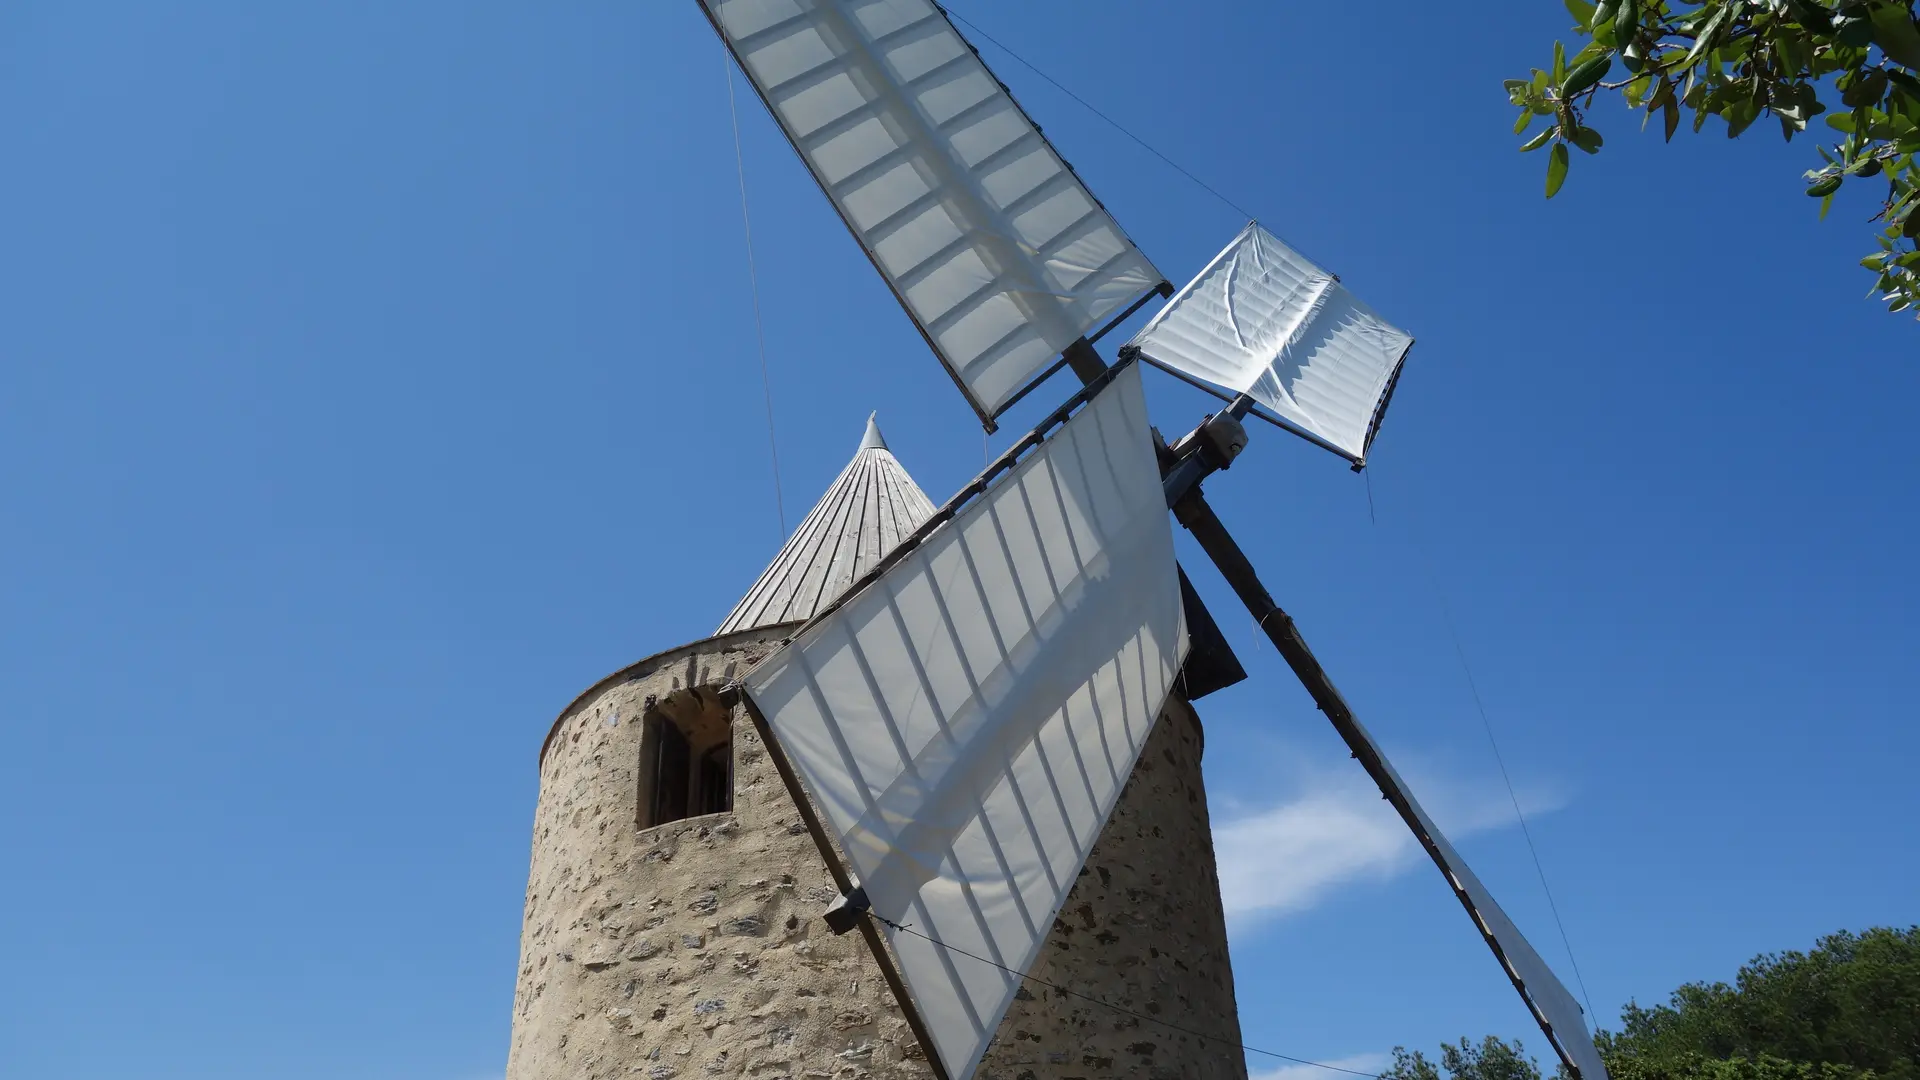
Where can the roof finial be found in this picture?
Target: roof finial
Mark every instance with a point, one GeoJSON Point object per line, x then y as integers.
{"type": "Point", "coordinates": [873, 440]}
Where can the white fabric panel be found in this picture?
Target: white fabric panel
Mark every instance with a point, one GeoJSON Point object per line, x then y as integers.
{"type": "Point", "coordinates": [1262, 320]}
{"type": "Point", "coordinates": [1566, 1023]}
{"type": "Point", "coordinates": [966, 721]}
{"type": "Point", "coordinates": [996, 249]}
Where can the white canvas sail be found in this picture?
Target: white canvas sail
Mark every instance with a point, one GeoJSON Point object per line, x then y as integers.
{"type": "Point", "coordinates": [996, 249]}
{"type": "Point", "coordinates": [1263, 321]}
{"type": "Point", "coordinates": [965, 722]}
{"type": "Point", "coordinates": [1559, 1014]}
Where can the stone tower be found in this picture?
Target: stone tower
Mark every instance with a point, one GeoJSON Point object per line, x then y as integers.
{"type": "Point", "coordinates": [671, 925]}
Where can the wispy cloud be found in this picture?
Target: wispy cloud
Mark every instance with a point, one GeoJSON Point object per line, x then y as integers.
{"type": "Point", "coordinates": [1333, 829]}
{"type": "Point", "coordinates": [1369, 1063]}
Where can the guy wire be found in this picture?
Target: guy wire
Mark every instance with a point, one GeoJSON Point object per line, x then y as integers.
{"type": "Point", "coordinates": [1111, 122]}
{"type": "Point", "coordinates": [753, 278]}
{"type": "Point", "coordinates": [1473, 687]}
{"type": "Point", "coordinates": [905, 928]}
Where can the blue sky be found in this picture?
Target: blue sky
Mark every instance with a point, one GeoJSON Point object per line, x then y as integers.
{"type": "Point", "coordinates": [374, 378]}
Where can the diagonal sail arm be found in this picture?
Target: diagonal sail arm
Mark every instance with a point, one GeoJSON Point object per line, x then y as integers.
{"type": "Point", "coordinates": [1553, 1008]}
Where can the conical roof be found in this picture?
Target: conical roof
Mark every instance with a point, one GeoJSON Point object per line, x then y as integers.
{"type": "Point", "coordinates": [870, 508]}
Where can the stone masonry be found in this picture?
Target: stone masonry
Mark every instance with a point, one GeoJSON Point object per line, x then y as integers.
{"type": "Point", "coordinates": [694, 949]}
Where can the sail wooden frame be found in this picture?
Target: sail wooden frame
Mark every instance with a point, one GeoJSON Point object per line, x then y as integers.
{"type": "Point", "coordinates": [1263, 320]}
{"type": "Point", "coordinates": [1005, 262]}
{"type": "Point", "coordinates": [964, 720]}
{"type": "Point", "coordinates": [987, 237]}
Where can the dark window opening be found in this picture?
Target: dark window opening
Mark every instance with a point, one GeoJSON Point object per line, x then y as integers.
{"type": "Point", "coordinates": [669, 773]}
{"type": "Point", "coordinates": [714, 793]}
{"type": "Point", "coordinates": [686, 759]}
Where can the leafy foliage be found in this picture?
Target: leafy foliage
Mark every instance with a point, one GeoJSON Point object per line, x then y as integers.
{"type": "Point", "coordinates": [1849, 1009]}
{"type": "Point", "coordinates": [1493, 1059]}
{"type": "Point", "coordinates": [1701, 1067]}
{"type": "Point", "coordinates": [1853, 1000]}
{"type": "Point", "coordinates": [1741, 60]}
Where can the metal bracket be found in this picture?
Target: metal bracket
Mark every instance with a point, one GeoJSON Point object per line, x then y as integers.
{"type": "Point", "coordinates": [1206, 450]}
{"type": "Point", "coordinates": [1222, 436]}
{"type": "Point", "coordinates": [844, 913]}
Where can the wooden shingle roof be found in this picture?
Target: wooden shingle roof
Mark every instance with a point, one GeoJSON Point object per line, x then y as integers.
{"type": "Point", "coordinates": [871, 507]}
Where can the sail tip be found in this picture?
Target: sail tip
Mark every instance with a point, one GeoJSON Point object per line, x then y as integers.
{"type": "Point", "coordinates": [873, 440]}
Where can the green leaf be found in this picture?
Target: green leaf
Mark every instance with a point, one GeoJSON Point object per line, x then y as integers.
{"type": "Point", "coordinates": [1826, 204]}
{"type": "Point", "coordinates": [1556, 169]}
{"type": "Point", "coordinates": [1537, 141]}
{"type": "Point", "coordinates": [1581, 11]}
{"type": "Point", "coordinates": [1587, 52]}
{"type": "Point", "coordinates": [1841, 122]}
{"type": "Point", "coordinates": [1811, 16]}
{"type": "Point", "coordinates": [1672, 117]}
{"type": "Point", "coordinates": [1520, 125]}
{"type": "Point", "coordinates": [1661, 94]}
{"type": "Point", "coordinates": [1904, 101]}
{"type": "Point", "coordinates": [1792, 51]}
{"type": "Point", "coordinates": [1739, 116]}
{"type": "Point", "coordinates": [1516, 90]}
{"type": "Point", "coordinates": [1559, 62]}
{"type": "Point", "coordinates": [1894, 31]}
{"type": "Point", "coordinates": [1627, 21]}
{"type": "Point", "coordinates": [1588, 139]}
{"type": "Point", "coordinates": [1864, 89]}
{"type": "Point", "coordinates": [1584, 76]}
{"type": "Point", "coordinates": [1707, 33]}
{"type": "Point", "coordinates": [1824, 187]}
{"type": "Point", "coordinates": [1853, 31]}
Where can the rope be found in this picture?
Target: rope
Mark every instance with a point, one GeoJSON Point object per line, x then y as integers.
{"type": "Point", "coordinates": [1111, 122]}
{"type": "Point", "coordinates": [1473, 687]}
{"type": "Point", "coordinates": [753, 277]}
{"type": "Point", "coordinates": [907, 928]}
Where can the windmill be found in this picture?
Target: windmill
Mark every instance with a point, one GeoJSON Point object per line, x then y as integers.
{"type": "Point", "coordinates": [956, 726]}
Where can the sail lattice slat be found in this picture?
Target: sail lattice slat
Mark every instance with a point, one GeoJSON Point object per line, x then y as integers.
{"type": "Point", "coordinates": [965, 208]}
{"type": "Point", "coordinates": [965, 721]}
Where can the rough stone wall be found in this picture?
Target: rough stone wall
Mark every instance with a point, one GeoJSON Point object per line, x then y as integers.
{"type": "Point", "coordinates": [1142, 929]}
{"type": "Point", "coordinates": [694, 949]}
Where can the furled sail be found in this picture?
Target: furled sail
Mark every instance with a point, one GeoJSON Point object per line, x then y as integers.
{"type": "Point", "coordinates": [965, 722]}
{"type": "Point", "coordinates": [1554, 1008]}
{"type": "Point", "coordinates": [996, 249]}
{"type": "Point", "coordinates": [1263, 321]}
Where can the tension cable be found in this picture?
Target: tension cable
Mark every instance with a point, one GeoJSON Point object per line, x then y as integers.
{"type": "Point", "coordinates": [1473, 687]}
{"type": "Point", "coordinates": [753, 278]}
{"type": "Point", "coordinates": [1111, 122]}
{"type": "Point", "coordinates": [907, 928]}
